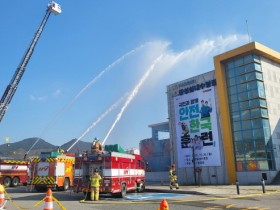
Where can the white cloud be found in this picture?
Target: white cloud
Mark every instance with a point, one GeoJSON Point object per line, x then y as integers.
{"type": "Point", "coordinates": [38, 98]}
{"type": "Point", "coordinates": [57, 93]}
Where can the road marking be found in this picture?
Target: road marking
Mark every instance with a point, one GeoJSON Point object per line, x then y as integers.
{"type": "Point", "coordinates": [151, 196]}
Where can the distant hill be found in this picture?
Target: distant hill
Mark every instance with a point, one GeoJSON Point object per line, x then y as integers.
{"type": "Point", "coordinates": [19, 149]}
{"type": "Point", "coordinates": [80, 146]}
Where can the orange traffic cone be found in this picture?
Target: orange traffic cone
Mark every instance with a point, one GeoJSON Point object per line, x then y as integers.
{"type": "Point", "coordinates": [2, 197]}
{"type": "Point", "coordinates": [48, 200]}
{"type": "Point", "coordinates": [163, 205]}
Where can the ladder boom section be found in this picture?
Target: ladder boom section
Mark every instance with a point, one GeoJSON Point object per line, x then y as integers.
{"type": "Point", "coordinates": [12, 87]}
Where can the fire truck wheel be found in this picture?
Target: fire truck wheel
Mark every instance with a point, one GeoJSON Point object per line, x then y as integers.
{"type": "Point", "coordinates": [140, 187]}
{"type": "Point", "coordinates": [7, 181]}
{"type": "Point", "coordinates": [66, 184]}
{"type": "Point", "coordinates": [123, 191]}
{"type": "Point", "coordinates": [15, 181]}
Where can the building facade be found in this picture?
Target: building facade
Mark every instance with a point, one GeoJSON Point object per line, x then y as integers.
{"type": "Point", "coordinates": [224, 124]}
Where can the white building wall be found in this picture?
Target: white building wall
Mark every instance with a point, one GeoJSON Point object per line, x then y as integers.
{"type": "Point", "coordinates": [271, 76]}
{"type": "Point", "coordinates": [209, 175]}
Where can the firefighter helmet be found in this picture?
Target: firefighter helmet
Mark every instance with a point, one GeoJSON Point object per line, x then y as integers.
{"type": "Point", "coordinates": [173, 165]}
{"type": "Point", "coordinates": [95, 170]}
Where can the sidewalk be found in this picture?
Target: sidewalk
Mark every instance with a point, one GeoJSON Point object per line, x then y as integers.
{"type": "Point", "coordinates": [215, 190]}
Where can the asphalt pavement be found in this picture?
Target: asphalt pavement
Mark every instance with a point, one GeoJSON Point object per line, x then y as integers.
{"type": "Point", "coordinates": [216, 190]}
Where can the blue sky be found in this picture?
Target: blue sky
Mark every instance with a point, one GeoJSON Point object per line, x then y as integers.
{"type": "Point", "coordinates": [100, 68]}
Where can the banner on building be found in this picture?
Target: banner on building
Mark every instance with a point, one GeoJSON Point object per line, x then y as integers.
{"type": "Point", "coordinates": [196, 129]}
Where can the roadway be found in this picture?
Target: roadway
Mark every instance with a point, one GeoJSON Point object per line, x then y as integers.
{"type": "Point", "coordinates": [196, 198]}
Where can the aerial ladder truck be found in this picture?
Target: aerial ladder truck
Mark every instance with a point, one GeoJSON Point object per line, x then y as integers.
{"type": "Point", "coordinates": [53, 7]}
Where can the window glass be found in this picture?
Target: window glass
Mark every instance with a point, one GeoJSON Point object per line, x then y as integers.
{"type": "Point", "coordinates": [232, 81]}
{"type": "Point", "coordinates": [241, 79]}
{"type": "Point", "coordinates": [267, 141]}
{"type": "Point", "coordinates": [248, 144]}
{"type": "Point", "coordinates": [263, 102]}
{"type": "Point", "coordinates": [263, 165]}
{"type": "Point", "coordinates": [235, 116]}
{"type": "Point", "coordinates": [239, 147]}
{"type": "Point", "coordinates": [244, 105]}
{"type": "Point", "coordinates": [259, 144]}
{"type": "Point", "coordinates": [255, 112]}
{"type": "Point", "coordinates": [258, 133]}
{"type": "Point", "coordinates": [265, 123]}
{"type": "Point", "coordinates": [248, 135]}
{"type": "Point", "coordinates": [248, 58]}
{"type": "Point", "coordinates": [260, 155]}
{"type": "Point", "coordinates": [233, 98]}
{"type": "Point", "coordinates": [232, 90]}
{"type": "Point", "coordinates": [234, 107]}
{"type": "Point", "coordinates": [258, 67]}
{"type": "Point", "coordinates": [242, 87]}
{"type": "Point", "coordinates": [246, 125]}
{"type": "Point", "coordinates": [237, 136]}
{"type": "Point", "coordinates": [257, 58]}
{"type": "Point", "coordinates": [264, 112]}
{"type": "Point", "coordinates": [245, 114]}
{"type": "Point", "coordinates": [257, 123]}
{"type": "Point", "coordinates": [240, 70]}
{"type": "Point", "coordinates": [254, 103]}
{"type": "Point", "coordinates": [260, 85]}
{"type": "Point", "coordinates": [266, 133]}
{"type": "Point", "coordinates": [229, 65]}
{"type": "Point", "coordinates": [261, 93]}
{"type": "Point", "coordinates": [269, 154]}
{"type": "Point", "coordinates": [252, 85]}
{"type": "Point", "coordinates": [236, 126]}
{"type": "Point", "coordinates": [230, 73]}
{"type": "Point", "coordinates": [238, 62]}
{"type": "Point", "coordinates": [253, 93]}
{"type": "Point", "coordinates": [243, 96]}
{"type": "Point", "coordinates": [259, 76]}
{"type": "Point", "coordinates": [251, 76]}
{"type": "Point", "coordinates": [271, 164]}
{"type": "Point", "coordinates": [249, 67]}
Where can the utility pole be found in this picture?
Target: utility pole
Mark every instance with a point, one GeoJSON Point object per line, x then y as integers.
{"type": "Point", "coordinates": [194, 166]}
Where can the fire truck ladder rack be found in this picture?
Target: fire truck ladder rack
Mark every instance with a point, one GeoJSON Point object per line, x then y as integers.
{"type": "Point", "coordinates": [31, 179]}
{"type": "Point", "coordinates": [12, 87]}
{"type": "Point", "coordinates": [80, 174]}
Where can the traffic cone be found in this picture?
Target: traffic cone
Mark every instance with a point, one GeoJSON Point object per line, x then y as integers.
{"type": "Point", "coordinates": [163, 205]}
{"type": "Point", "coordinates": [2, 197]}
{"type": "Point", "coordinates": [48, 200]}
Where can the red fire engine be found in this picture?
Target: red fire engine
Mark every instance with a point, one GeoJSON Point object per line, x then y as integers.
{"type": "Point", "coordinates": [13, 172]}
{"type": "Point", "coordinates": [120, 171]}
{"type": "Point", "coordinates": [52, 169]}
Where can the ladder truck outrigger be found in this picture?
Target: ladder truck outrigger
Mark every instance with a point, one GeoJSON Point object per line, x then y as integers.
{"type": "Point", "coordinates": [53, 7]}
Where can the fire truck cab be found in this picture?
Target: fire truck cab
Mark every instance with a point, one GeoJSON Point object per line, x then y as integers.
{"type": "Point", "coordinates": [13, 172]}
{"type": "Point", "coordinates": [121, 171]}
{"type": "Point", "coordinates": [52, 169]}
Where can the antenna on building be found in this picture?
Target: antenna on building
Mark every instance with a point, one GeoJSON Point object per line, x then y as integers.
{"type": "Point", "coordinates": [249, 38]}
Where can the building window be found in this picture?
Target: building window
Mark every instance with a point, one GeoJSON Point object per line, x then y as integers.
{"type": "Point", "coordinates": [249, 115]}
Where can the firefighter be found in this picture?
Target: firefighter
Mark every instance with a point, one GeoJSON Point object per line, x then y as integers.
{"type": "Point", "coordinates": [173, 177]}
{"type": "Point", "coordinates": [96, 146]}
{"type": "Point", "coordinates": [60, 150]}
{"type": "Point", "coordinates": [95, 180]}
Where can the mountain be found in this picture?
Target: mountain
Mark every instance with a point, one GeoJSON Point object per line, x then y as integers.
{"type": "Point", "coordinates": [79, 147]}
{"type": "Point", "coordinates": [19, 149]}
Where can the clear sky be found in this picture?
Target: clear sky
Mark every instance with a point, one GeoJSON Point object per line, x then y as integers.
{"type": "Point", "coordinates": [101, 67]}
